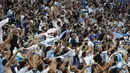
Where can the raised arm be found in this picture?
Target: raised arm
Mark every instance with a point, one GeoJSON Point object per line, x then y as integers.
{"type": "Point", "coordinates": [8, 54]}
{"type": "Point", "coordinates": [109, 71]}
{"type": "Point", "coordinates": [30, 61]}
{"type": "Point", "coordinates": [36, 60]}
{"type": "Point", "coordinates": [127, 71]}
{"type": "Point", "coordinates": [53, 66]}
{"type": "Point", "coordinates": [107, 65]}
{"type": "Point", "coordinates": [89, 49]}
{"type": "Point", "coordinates": [3, 22]}
{"type": "Point", "coordinates": [100, 68]}
{"type": "Point", "coordinates": [23, 32]}
{"type": "Point", "coordinates": [83, 70]}
{"type": "Point", "coordinates": [12, 58]}
{"type": "Point", "coordinates": [64, 63]}
{"type": "Point", "coordinates": [96, 54]}
{"type": "Point", "coordinates": [57, 49]}
{"type": "Point", "coordinates": [126, 47]}
{"type": "Point", "coordinates": [9, 39]}
{"type": "Point", "coordinates": [112, 48]}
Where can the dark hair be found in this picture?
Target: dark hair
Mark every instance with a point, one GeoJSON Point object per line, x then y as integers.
{"type": "Point", "coordinates": [114, 63]}
{"type": "Point", "coordinates": [40, 67]}
{"type": "Point", "coordinates": [48, 48]}
{"type": "Point", "coordinates": [115, 70]}
{"type": "Point", "coordinates": [56, 43]}
{"type": "Point", "coordinates": [67, 44]}
{"type": "Point", "coordinates": [93, 67]}
{"type": "Point", "coordinates": [79, 44]}
{"type": "Point", "coordinates": [22, 64]}
{"type": "Point", "coordinates": [58, 23]}
{"type": "Point", "coordinates": [102, 63]}
{"type": "Point", "coordinates": [65, 70]}
{"type": "Point", "coordinates": [59, 65]}
{"type": "Point", "coordinates": [115, 58]}
{"type": "Point", "coordinates": [80, 67]}
{"type": "Point", "coordinates": [46, 61]}
{"type": "Point", "coordinates": [59, 60]}
{"type": "Point", "coordinates": [84, 54]}
{"type": "Point", "coordinates": [4, 62]}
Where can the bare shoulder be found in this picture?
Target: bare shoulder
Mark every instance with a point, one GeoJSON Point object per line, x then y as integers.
{"type": "Point", "coordinates": [7, 70]}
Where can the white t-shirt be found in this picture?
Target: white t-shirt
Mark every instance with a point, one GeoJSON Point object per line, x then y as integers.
{"type": "Point", "coordinates": [89, 59]}
{"type": "Point", "coordinates": [32, 47]}
{"type": "Point", "coordinates": [2, 23]}
{"type": "Point", "coordinates": [1, 35]}
{"type": "Point", "coordinates": [33, 1]}
{"type": "Point", "coordinates": [46, 70]}
{"type": "Point", "coordinates": [80, 55]}
{"type": "Point", "coordinates": [90, 10]}
{"type": "Point", "coordinates": [10, 12]}
{"type": "Point", "coordinates": [41, 25]}
{"type": "Point", "coordinates": [23, 70]}
{"type": "Point", "coordinates": [57, 71]}
{"type": "Point", "coordinates": [22, 17]}
{"type": "Point", "coordinates": [105, 57]}
{"type": "Point", "coordinates": [31, 71]}
{"type": "Point", "coordinates": [70, 53]}
{"type": "Point", "coordinates": [90, 44]}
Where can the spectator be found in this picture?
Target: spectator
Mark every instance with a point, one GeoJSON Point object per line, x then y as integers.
{"type": "Point", "coordinates": [64, 36]}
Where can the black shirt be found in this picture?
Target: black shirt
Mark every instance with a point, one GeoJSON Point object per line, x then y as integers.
{"type": "Point", "coordinates": [13, 42]}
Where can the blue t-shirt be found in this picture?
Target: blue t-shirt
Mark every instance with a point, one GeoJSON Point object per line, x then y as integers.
{"type": "Point", "coordinates": [50, 54]}
{"type": "Point", "coordinates": [1, 66]}
{"type": "Point", "coordinates": [13, 68]}
{"type": "Point", "coordinates": [73, 42]}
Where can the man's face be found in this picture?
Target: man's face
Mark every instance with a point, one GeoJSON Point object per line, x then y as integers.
{"type": "Point", "coordinates": [15, 32]}
{"type": "Point", "coordinates": [100, 49]}
{"type": "Point", "coordinates": [74, 35]}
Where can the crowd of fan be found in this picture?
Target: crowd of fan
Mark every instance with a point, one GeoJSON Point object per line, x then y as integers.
{"type": "Point", "coordinates": [64, 36]}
